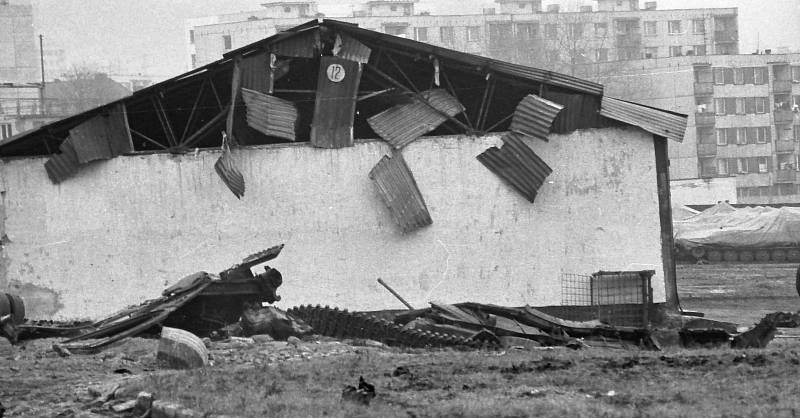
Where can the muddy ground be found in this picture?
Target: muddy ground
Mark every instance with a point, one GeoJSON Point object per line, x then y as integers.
{"type": "Point", "coordinates": [280, 379]}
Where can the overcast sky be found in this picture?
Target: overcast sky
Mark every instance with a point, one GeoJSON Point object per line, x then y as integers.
{"type": "Point", "coordinates": [149, 36]}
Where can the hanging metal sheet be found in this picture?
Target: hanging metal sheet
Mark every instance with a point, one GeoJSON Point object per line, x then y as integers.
{"type": "Point", "coordinates": [334, 110]}
{"type": "Point", "coordinates": [517, 164]}
{"type": "Point", "coordinates": [256, 72]}
{"type": "Point", "coordinates": [402, 124]}
{"type": "Point", "coordinates": [270, 115]}
{"type": "Point", "coordinates": [534, 116]}
{"type": "Point", "coordinates": [351, 49]}
{"type": "Point", "coordinates": [656, 121]}
{"type": "Point", "coordinates": [399, 191]}
{"type": "Point", "coordinates": [227, 171]}
{"type": "Point", "coordinates": [304, 44]}
{"type": "Point", "coordinates": [64, 165]}
{"type": "Point", "coordinates": [104, 136]}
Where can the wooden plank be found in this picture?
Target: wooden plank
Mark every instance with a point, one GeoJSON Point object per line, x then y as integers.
{"type": "Point", "coordinates": [337, 92]}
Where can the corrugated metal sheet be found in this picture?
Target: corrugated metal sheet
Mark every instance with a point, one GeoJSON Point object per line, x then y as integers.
{"type": "Point", "coordinates": [517, 164]}
{"type": "Point", "coordinates": [230, 175]}
{"type": "Point", "coordinates": [658, 122]}
{"type": "Point", "coordinates": [270, 115]}
{"type": "Point", "coordinates": [335, 105]}
{"type": "Point", "coordinates": [351, 49]}
{"type": "Point", "coordinates": [255, 72]}
{"type": "Point", "coordinates": [62, 166]}
{"type": "Point", "coordinates": [534, 116]}
{"type": "Point", "coordinates": [399, 191]}
{"type": "Point", "coordinates": [402, 124]}
{"type": "Point", "coordinates": [581, 111]}
{"type": "Point", "coordinates": [102, 137]}
{"type": "Point", "coordinates": [304, 44]}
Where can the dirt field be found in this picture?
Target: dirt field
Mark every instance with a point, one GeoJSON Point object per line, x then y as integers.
{"type": "Point", "coordinates": [279, 379]}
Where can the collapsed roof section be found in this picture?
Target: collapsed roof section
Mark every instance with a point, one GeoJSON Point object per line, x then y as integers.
{"type": "Point", "coordinates": [328, 83]}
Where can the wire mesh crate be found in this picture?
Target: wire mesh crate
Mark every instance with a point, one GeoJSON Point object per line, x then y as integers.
{"type": "Point", "coordinates": [621, 298]}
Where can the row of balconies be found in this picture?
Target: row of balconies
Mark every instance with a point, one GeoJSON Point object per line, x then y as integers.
{"type": "Point", "coordinates": [778, 86]}
{"type": "Point", "coordinates": [710, 149]}
{"type": "Point", "coordinates": [778, 176]}
{"type": "Point", "coordinates": [710, 119]}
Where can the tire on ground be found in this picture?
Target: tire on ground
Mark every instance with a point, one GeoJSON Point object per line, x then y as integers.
{"type": "Point", "coordinates": [793, 255]}
{"type": "Point", "coordinates": [730, 255]}
{"type": "Point", "coordinates": [714, 255]}
{"type": "Point", "coordinates": [746, 256]}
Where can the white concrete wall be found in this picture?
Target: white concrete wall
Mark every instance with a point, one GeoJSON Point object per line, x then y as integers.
{"type": "Point", "coordinates": [123, 229]}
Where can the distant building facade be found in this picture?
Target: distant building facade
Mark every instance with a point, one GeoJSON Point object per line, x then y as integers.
{"type": "Point", "coordinates": [516, 30]}
{"type": "Point", "coordinates": [19, 69]}
{"type": "Point", "coordinates": [744, 118]}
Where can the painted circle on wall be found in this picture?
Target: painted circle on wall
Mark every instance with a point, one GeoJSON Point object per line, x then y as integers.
{"type": "Point", "coordinates": [336, 73]}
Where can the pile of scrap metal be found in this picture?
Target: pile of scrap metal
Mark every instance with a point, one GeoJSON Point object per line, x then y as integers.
{"type": "Point", "coordinates": [702, 332]}
{"type": "Point", "coordinates": [200, 303]}
{"type": "Point", "coordinates": [469, 324]}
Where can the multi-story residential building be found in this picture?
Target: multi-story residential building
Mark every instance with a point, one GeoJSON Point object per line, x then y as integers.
{"type": "Point", "coordinates": [517, 30]}
{"type": "Point", "coordinates": [19, 68]}
{"type": "Point", "coordinates": [744, 118]}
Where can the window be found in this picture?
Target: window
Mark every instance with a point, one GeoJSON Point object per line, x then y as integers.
{"type": "Point", "coordinates": [719, 105]}
{"type": "Point", "coordinates": [728, 75]}
{"type": "Point", "coordinates": [699, 50]}
{"type": "Point", "coordinates": [421, 34]}
{"type": "Point", "coordinates": [763, 134]}
{"type": "Point", "coordinates": [749, 75]}
{"type": "Point", "coordinates": [550, 31]}
{"type": "Point", "coordinates": [194, 60]}
{"type": "Point", "coordinates": [675, 51]}
{"type": "Point", "coordinates": [783, 102]}
{"type": "Point", "coordinates": [576, 30]}
{"type": "Point", "coordinates": [719, 76]}
{"type": "Point", "coordinates": [600, 29]}
{"type": "Point", "coordinates": [750, 105]}
{"type": "Point", "coordinates": [698, 26]}
{"type": "Point", "coordinates": [5, 130]}
{"type": "Point", "coordinates": [761, 105]}
{"type": "Point", "coordinates": [722, 138]}
{"type": "Point", "coordinates": [760, 75]}
{"type": "Point", "coordinates": [742, 166]}
{"type": "Point", "coordinates": [796, 104]}
{"type": "Point", "coordinates": [722, 167]}
{"type": "Point", "coordinates": [740, 106]}
{"type": "Point", "coordinates": [473, 33]}
{"type": "Point", "coordinates": [707, 167]}
{"type": "Point", "coordinates": [650, 28]}
{"type": "Point", "coordinates": [651, 52]}
{"type": "Point", "coordinates": [738, 76]}
{"type": "Point", "coordinates": [763, 165]}
{"type": "Point", "coordinates": [527, 31]}
{"type": "Point", "coordinates": [191, 36]}
{"type": "Point", "coordinates": [741, 136]}
{"type": "Point", "coordinates": [226, 40]}
{"type": "Point", "coordinates": [796, 74]}
{"type": "Point", "coordinates": [287, 9]}
{"type": "Point", "coordinates": [730, 105]}
{"type": "Point", "coordinates": [797, 135]}
{"type": "Point", "coordinates": [447, 34]}
{"type": "Point", "coordinates": [674, 27]}
{"type": "Point", "coordinates": [601, 54]}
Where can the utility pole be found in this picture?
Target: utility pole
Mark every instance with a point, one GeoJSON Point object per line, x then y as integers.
{"type": "Point", "coordinates": [41, 86]}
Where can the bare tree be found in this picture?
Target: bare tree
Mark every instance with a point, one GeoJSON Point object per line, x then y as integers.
{"type": "Point", "coordinates": [82, 88]}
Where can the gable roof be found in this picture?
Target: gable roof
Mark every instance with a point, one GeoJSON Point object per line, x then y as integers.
{"type": "Point", "coordinates": [582, 100]}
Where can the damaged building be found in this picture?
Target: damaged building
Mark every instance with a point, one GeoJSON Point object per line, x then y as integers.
{"type": "Point", "coordinates": [451, 176]}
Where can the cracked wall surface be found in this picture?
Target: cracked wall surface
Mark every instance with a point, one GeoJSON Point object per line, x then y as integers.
{"type": "Point", "coordinates": [121, 230]}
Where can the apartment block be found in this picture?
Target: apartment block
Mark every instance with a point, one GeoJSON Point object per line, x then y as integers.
{"type": "Point", "coordinates": [744, 118]}
{"type": "Point", "coordinates": [520, 31]}
{"type": "Point", "coordinates": [19, 67]}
